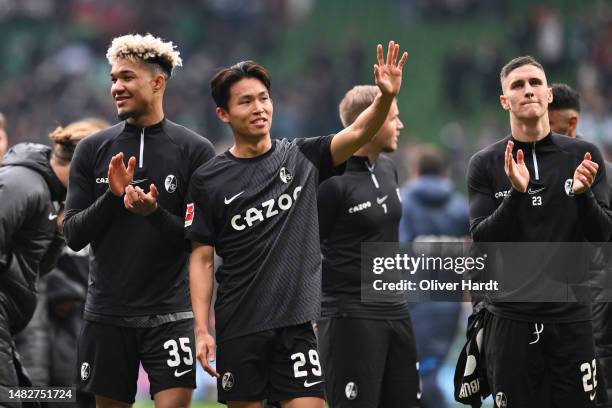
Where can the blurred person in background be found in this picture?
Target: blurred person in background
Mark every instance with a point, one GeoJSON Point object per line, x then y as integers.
{"type": "Point", "coordinates": [432, 211]}
{"type": "Point", "coordinates": [66, 287]}
{"type": "Point", "coordinates": [564, 110]}
{"type": "Point", "coordinates": [431, 204]}
{"type": "Point", "coordinates": [387, 375]}
{"type": "Point", "coordinates": [564, 115]}
{"type": "Point", "coordinates": [33, 181]}
{"type": "Point", "coordinates": [47, 344]}
{"type": "Point", "coordinates": [137, 308]}
{"type": "Point", "coordinates": [3, 137]}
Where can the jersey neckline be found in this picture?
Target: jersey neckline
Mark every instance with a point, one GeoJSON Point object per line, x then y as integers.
{"type": "Point", "coordinates": [542, 142]}
{"type": "Point", "coordinates": [360, 163]}
{"type": "Point", "coordinates": [137, 129]}
{"type": "Point", "coordinates": [229, 155]}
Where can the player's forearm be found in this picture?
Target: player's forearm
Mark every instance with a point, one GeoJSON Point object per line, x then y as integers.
{"type": "Point", "coordinates": [83, 226]}
{"type": "Point", "coordinates": [201, 275]}
{"type": "Point", "coordinates": [496, 226]}
{"type": "Point", "coordinates": [360, 132]}
{"type": "Point", "coordinates": [169, 225]}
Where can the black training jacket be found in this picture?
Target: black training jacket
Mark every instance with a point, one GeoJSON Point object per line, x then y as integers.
{"type": "Point", "coordinates": [28, 240]}
{"type": "Point", "coordinates": [547, 212]}
{"type": "Point", "coordinates": [139, 264]}
{"type": "Point", "coordinates": [362, 205]}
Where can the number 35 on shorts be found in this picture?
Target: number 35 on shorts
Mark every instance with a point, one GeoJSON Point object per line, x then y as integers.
{"type": "Point", "coordinates": [185, 354]}
{"type": "Point", "coordinates": [299, 366]}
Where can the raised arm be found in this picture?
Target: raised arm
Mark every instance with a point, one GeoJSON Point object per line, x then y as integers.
{"type": "Point", "coordinates": [388, 77]}
{"type": "Point", "coordinates": [201, 275]}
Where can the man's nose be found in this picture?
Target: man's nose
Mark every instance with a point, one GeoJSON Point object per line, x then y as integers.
{"type": "Point", "coordinates": [117, 87]}
{"type": "Point", "coordinates": [258, 106]}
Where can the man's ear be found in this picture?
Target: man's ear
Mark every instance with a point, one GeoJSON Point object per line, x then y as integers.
{"type": "Point", "coordinates": [159, 82]}
{"type": "Point", "coordinates": [222, 114]}
{"type": "Point", "coordinates": [504, 102]}
{"type": "Point", "coordinates": [573, 122]}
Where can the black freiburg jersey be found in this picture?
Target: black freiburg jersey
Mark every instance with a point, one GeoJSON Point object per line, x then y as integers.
{"type": "Point", "coordinates": [547, 212]}
{"type": "Point", "coordinates": [138, 264]}
{"type": "Point", "coordinates": [362, 205]}
{"type": "Point", "coordinates": [260, 214]}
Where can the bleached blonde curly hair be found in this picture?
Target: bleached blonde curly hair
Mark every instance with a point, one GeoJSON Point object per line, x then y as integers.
{"type": "Point", "coordinates": [146, 48]}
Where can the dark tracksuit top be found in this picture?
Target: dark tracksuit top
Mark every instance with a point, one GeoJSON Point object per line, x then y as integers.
{"type": "Point", "coordinates": [139, 264]}
{"type": "Point", "coordinates": [362, 205]}
{"type": "Point", "coordinates": [260, 215]}
{"type": "Point", "coordinates": [547, 212]}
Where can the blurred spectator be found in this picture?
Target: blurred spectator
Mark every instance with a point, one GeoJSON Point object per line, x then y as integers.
{"type": "Point", "coordinates": [564, 110]}
{"type": "Point", "coordinates": [34, 178]}
{"type": "Point", "coordinates": [457, 69]}
{"type": "Point", "coordinates": [432, 211]}
{"type": "Point", "coordinates": [47, 345]}
{"type": "Point", "coordinates": [564, 115]}
{"type": "Point", "coordinates": [430, 204]}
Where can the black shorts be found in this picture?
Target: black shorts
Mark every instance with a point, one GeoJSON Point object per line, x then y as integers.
{"type": "Point", "coordinates": [277, 365]}
{"type": "Point", "coordinates": [109, 356]}
{"type": "Point", "coordinates": [369, 363]}
{"type": "Point", "coordinates": [540, 365]}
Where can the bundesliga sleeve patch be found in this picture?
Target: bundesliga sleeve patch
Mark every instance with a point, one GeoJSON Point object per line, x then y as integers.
{"type": "Point", "coordinates": [189, 215]}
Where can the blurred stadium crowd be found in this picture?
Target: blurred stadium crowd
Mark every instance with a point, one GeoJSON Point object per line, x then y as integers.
{"type": "Point", "coordinates": [54, 70]}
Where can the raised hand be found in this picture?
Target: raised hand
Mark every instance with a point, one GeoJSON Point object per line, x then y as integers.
{"type": "Point", "coordinates": [388, 74]}
{"type": "Point", "coordinates": [137, 202]}
{"type": "Point", "coordinates": [584, 175]}
{"type": "Point", "coordinates": [516, 171]}
{"type": "Point", "coordinates": [119, 176]}
{"type": "Point", "coordinates": [205, 352]}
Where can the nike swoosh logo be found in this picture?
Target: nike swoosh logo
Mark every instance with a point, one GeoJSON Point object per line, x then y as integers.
{"type": "Point", "coordinates": [229, 200]}
{"type": "Point", "coordinates": [530, 191]}
{"type": "Point", "coordinates": [138, 181]}
{"type": "Point", "coordinates": [308, 385]}
{"type": "Point", "coordinates": [592, 396]}
{"type": "Point", "coordinates": [181, 373]}
{"type": "Point", "coordinates": [381, 200]}
{"type": "Point", "coordinates": [52, 216]}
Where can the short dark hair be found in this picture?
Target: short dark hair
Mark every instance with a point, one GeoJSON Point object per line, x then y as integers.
{"type": "Point", "coordinates": [223, 80]}
{"type": "Point", "coordinates": [428, 160]}
{"type": "Point", "coordinates": [564, 97]}
{"type": "Point", "coordinates": [517, 63]}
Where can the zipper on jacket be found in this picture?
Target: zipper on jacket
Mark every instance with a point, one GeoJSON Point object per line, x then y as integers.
{"type": "Point", "coordinates": [535, 162]}
{"type": "Point", "coordinates": [372, 175]}
{"type": "Point", "coordinates": [141, 158]}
